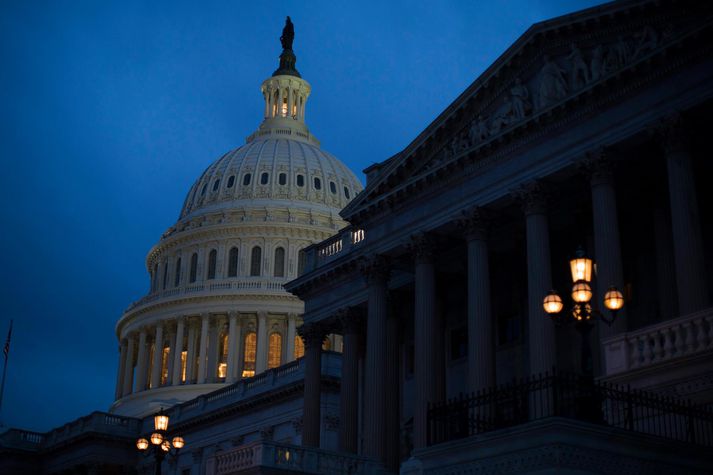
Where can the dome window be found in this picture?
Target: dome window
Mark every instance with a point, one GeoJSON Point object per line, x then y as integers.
{"type": "Point", "coordinates": [177, 276]}
{"type": "Point", "coordinates": [205, 187]}
{"type": "Point", "coordinates": [317, 183]}
{"type": "Point", "coordinates": [233, 262]}
{"type": "Point", "coordinates": [300, 180]}
{"type": "Point", "coordinates": [194, 268]}
{"type": "Point", "coordinates": [211, 263]}
{"type": "Point", "coordinates": [216, 185]}
{"type": "Point", "coordinates": [282, 179]}
{"type": "Point", "coordinates": [255, 261]}
{"type": "Point", "coordinates": [279, 262]}
{"type": "Point", "coordinates": [231, 181]}
{"type": "Point", "coordinates": [333, 187]}
{"type": "Point", "coordinates": [246, 179]}
{"type": "Point", "coordinates": [264, 178]}
{"type": "Point", "coordinates": [346, 192]}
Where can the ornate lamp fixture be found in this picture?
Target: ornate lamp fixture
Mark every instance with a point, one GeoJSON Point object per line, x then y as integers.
{"type": "Point", "coordinates": [160, 443]}
{"type": "Point", "coordinates": [582, 314]}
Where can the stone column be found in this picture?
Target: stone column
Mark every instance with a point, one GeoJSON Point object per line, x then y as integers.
{"type": "Point", "coordinates": [393, 413]}
{"type": "Point", "coordinates": [607, 246]}
{"type": "Point", "coordinates": [349, 390]}
{"type": "Point", "coordinates": [157, 357]}
{"type": "Point", "coordinates": [290, 100]}
{"type": "Point", "coordinates": [233, 347]}
{"type": "Point", "coordinates": [687, 237]}
{"type": "Point", "coordinates": [203, 352]}
{"type": "Point", "coordinates": [120, 373]}
{"type": "Point", "coordinates": [171, 354]}
{"type": "Point", "coordinates": [141, 362]}
{"type": "Point", "coordinates": [481, 337]}
{"type": "Point", "coordinates": [541, 337]}
{"type": "Point", "coordinates": [313, 336]}
{"type": "Point", "coordinates": [213, 349]}
{"type": "Point", "coordinates": [279, 101]}
{"type": "Point", "coordinates": [177, 363]}
{"type": "Point", "coordinates": [129, 366]}
{"type": "Point", "coordinates": [425, 330]}
{"type": "Point", "coordinates": [376, 272]}
{"type": "Point", "coordinates": [291, 332]}
{"type": "Point", "coordinates": [191, 352]}
{"type": "Point", "coordinates": [261, 356]}
{"type": "Point", "coordinates": [665, 267]}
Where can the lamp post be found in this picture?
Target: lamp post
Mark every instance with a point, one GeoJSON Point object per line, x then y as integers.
{"type": "Point", "coordinates": [582, 315]}
{"type": "Point", "coordinates": [160, 444]}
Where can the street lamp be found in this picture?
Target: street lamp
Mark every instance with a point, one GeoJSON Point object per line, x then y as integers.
{"type": "Point", "coordinates": [582, 314]}
{"type": "Point", "coordinates": [161, 445]}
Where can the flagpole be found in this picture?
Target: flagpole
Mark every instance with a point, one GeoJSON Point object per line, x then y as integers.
{"type": "Point", "coordinates": [6, 351]}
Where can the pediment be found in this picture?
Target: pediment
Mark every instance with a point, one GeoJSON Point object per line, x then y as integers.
{"type": "Point", "coordinates": [550, 64]}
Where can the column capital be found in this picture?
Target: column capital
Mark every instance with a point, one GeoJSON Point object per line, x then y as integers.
{"type": "Point", "coordinates": [375, 268]}
{"type": "Point", "coordinates": [532, 197]}
{"type": "Point", "coordinates": [350, 320]}
{"type": "Point", "coordinates": [671, 133]}
{"type": "Point", "coordinates": [475, 223]}
{"type": "Point", "coordinates": [232, 314]}
{"type": "Point", "coordinates": [422, 245]}
{"type": "Point", "coordinates": [312, 334]}
{"type": "Point", "coordinates": [599, 166]}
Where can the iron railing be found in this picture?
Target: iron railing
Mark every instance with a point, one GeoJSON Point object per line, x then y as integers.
{"type": "Point", "coordinates": [559, 394]}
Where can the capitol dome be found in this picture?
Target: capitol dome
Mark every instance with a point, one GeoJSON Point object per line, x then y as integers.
{"type": "Point", "coordinates": [216, 310]}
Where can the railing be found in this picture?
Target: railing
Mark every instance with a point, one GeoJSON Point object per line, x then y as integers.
{"type": "Point", "coordinates": [571, 396]}
{"type": "Point", "coordinates": [334, 247]}
{"type": "Point", "coordinates": [665, 341]}
{"type": "Point", "coordinates": [226, 284]}
{"type": "Point", "coordinates": [296, 459]}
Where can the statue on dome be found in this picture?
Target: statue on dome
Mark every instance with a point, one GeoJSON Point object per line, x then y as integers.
{"type": "Point", "coordinates": [288, 34]}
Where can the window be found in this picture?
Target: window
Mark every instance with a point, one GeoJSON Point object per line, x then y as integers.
{"type": "Point", "coordinates": [233, 262]}
{"type": "Point", "coordinates": [317, 183]}
{"type": "Point", "coordinates": [333, 187]}
{"type": "Point", "coordinates": [346, 192]}
{"type": "Point", "coordinates": [231, 181]}
{"type": "Point", "coordinates": [282, 179]}
{"type": "Point", "coordinates": [177, 278]}
{"type": "Point", "coordinates": [250, 354]}
{"type": "Point", "coordinates": [211, 263]}
{"type": "Point", "coordinates": [255, 261]}
{"type": "Point", "coordinates": [326, 344]}
{"type": "Point", "coordinates": [216, 184]}
{"type": "Point", "coordinates": [301, 262]}
{"type": "Point", "coordinates": [205, 187]}
{"type": "Point", "coordinates": [165, 275]}
{"type": "Point", "coordinates": [164, 365]}
{"type": "Point", "coordinates": [280, 262]}
{"type": "Point", "coordinates": [246, 179]}
{"type": "Point", "coordinates": [300, 180]}
{"type": "Point", "coordinates": [264, 178]}
{"type": "Point", "coordinates": [194, 267]}
{"type": "Point", "coordinates": [223, 352]}
{"type": "Point", "coordinates": [299, 347]}
{"type": "Point", "coordinates": [184, 359]}
{"type": "Point", "coordinates": [274, 353]}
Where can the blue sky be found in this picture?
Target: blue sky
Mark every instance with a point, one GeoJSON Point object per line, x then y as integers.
{"type": "Point", "coordinates": [110, 110]}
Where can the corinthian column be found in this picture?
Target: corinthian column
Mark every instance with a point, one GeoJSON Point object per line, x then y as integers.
{"type": "Point", "coordinates": [376, 273]}
{"type": "Point", "coordinates": [141, 362]}
{"type": "Point", "coordinates": [129, 366]}
{"type": "Point", "coordinates": [203, 352]}
{"type": "Point", "coordinates": [687, 238]}
{"type": "Point", "coordinates": [425, 334]}
{"type": "Point", "coordinates": [349, 390]}
{"type": "Point", "coordinates": [313, 337]}
{"type": "Point", "coordinates": [177, 363]}
{"type": "Point", "coordinates": [541, 338]}
{"type": "Point", "coordinates": [120, 373]}
{"type": "Point", "coordinates": [233, 347]}
{"type": "Point", "coordinates": [191, 352]}
{"type": "Point", "coordinates": [291, 332]}
{"type": "Point", "coordinates": [261, 356]}
{"type": "Point", "coordinates": [157, 357]}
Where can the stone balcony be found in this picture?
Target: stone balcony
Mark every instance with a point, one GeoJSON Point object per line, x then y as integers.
{"type": "Point", "coordinates": [333, 248]}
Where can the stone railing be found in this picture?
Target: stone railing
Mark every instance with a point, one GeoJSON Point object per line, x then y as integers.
{"type": "Point", "coordinates": [96, 423]}
{"type": "Point", "coordinates": [669, 340]}
{"type": "Point", "coordinates": [207, 287]}
{"type": "Point", "coordinates": [334, 247]}
{"type": "Point", "coordinates": [271, 379]}
{"type": "Point", "coordinates": [291, 458]}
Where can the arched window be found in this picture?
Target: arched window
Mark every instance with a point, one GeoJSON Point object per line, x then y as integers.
{"type": "Point", "coordinates": [165, 275]}
{"type": "Point", "coordinates": [231, 181]}
{"type": "Point", "coordinates": [333, 187]}
{"type": "Point", "coordinates": [211, 263]}
{"type": "Point", "coordinates": [177, 277]}
{"type": "Point", "coordinates": [194, 267]}
{"type": "Point", "coordinates": [299, 347]}
{"type": "Point", "coordinates": [250, 355]}
{"type": "Point", "coordinates": [346, 192]}
{"type": "Point", "coordinates": [216, 184]}
{"type": "Point", "coordinates": [223, 356]}
{"type": "Point", "coordinates": [255, 261]}
{"type": "Point", "coordinates": [264, 178]}
{"type": "Point", "coordinates": [317, 183]}
{"type": "Point", "coordinates": [300, 180]}
{"type": "Point", "coordinates": [280, 262]}
{"type": "Point", "coordinates": [282, 179]}
{"type": "Point", "coordinates": [233, 262]}
{"type": "Point", "coordinates": [246, 179]}
{"type": "Point", "coordinates": [274, 353]}
{"type": "Point", "coordinates": [301, 262]}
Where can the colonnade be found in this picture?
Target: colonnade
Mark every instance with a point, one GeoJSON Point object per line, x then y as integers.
{"type": "Point", "coordinates": [278, 93]}
{"type": "Point", "coordinates": [206, 348]}
{"type": "Point", "coordinates": [381, 387]}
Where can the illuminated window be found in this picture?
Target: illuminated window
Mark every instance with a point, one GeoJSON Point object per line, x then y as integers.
{"type": "Point", "coordinates": [282, 179]}
{"type": "Point", "coordinates": [246, 179]}
{"type": "Point", "coordinates": [264, 178]}
{"type": "Point", "coordinates": [255, 261]}
{"type": "Point", "coordinates": [317, 183]}
{"type": "Point", "coordinates": [280, 262]}
{"type": "Point", "coordinates": [299, 347]}
{"type": "Point", "coordinates": [233, 262]}
{"type": "Point", "coordinates": [184, 359]}
{"type": "Point", "coordinates": [327, 344]}
{"type": "Point", "coordinates": [194, 267]}
{"type": "Point", "coordinates": [250, 355]}
{"type": "Point", "coordinates": [164, 365]}
{"type": "Point", "coordinates": [231, 181]}
{"type": "Point", "coordinates": [177, 278]}
{"type": "Point", "coordinates": [284, 107]}
{"type": "Point", "coordinates": [211, 263]}
{"type": "Point", "coordinates": [274, 350]}
{"type": "Point", "coordinates": [223, 363]}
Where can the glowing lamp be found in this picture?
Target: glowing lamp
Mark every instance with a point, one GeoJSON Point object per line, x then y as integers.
{"type": "Point", "coordinates": [581, 292]}
{"type": "Point", "coordinates": [156, 438]}
{"type": "Point", "coordinates": [160, 421]}
{"type": "Point", "coordinates": [581, 267]}
{"type": "Point", "coordinates": [613, 299]}
{"type": "Point", "coordinates": [166, 446]}
{"type": "Point", "coordinates": [552, 303]}
{"type": "Point", "coordinates": [178, 442]}
{"type": "Point", "coordinates": [142, 444]}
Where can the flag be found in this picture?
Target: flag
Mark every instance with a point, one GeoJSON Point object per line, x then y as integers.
{"type": "Point", "coordinates": [6, 349]}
